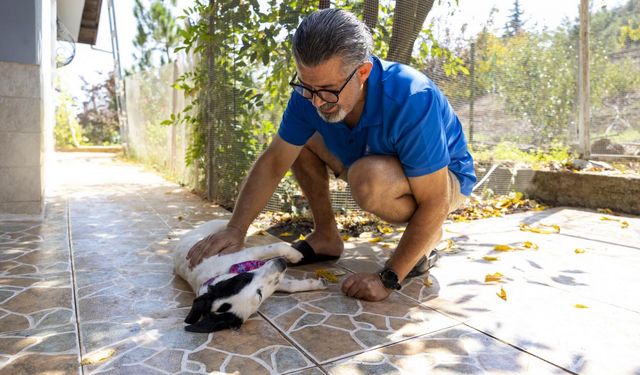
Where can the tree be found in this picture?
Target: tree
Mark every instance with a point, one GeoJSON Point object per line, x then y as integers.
{"type": "Point", "coordinates": [157, 34]}
{"type": "Point", "coordinates": [67, 132]}
{"type": "Point", "coordinates": [515, 23]}
{"type": "Point", "coordinates": [99, 117]}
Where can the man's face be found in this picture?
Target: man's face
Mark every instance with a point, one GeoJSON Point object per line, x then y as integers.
{"type": "Point", "coordinates": [331, 75]}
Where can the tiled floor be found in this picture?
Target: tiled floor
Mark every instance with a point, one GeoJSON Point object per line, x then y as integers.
{"type": "Point", "coordinates": [91, 290]}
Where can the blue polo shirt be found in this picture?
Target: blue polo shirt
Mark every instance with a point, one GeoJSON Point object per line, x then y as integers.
{"type": "Point", "coordinates": [405, 115]}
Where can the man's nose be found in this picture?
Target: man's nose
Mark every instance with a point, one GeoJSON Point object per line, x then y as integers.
{"type": "Point", "coordinates": [317, 101]}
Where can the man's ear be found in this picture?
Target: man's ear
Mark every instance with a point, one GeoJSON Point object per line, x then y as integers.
{"type": "Point", "coordinates": [201, 306]}
{"type": "Point", "coordinates": [213, 323]}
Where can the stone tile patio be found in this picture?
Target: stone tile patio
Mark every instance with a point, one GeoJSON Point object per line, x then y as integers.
{"type": "Point", "coordinates": [91, 290]}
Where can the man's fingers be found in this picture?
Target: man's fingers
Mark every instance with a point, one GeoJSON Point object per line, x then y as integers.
{"type": "Point", "coordinates": [346, 284]}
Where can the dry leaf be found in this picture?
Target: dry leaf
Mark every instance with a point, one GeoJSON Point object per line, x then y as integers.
{"type": "Point", "coordinates": [286, 234]}
{"type": "Point", "coordinates": [502, 248]}
{"type": "Point", "coordinates": [179, 218]}
{"type": "Point", "coordinates": [502, 294]}
{"type": "Point", "coordinates": [496, 277]}
{"type": "Point", "coordinates": [261, 232]}
{"type": "Point", "coordinates": [580, 306]}
{"type": "Point", "coordinates": [624, 224]}
{"type": "Point", "coordinates": [528, 228]}
{"type": "Point", "coordinates": [427, 282]}
{"type": "Point", "coordinates": [605, 211]}
{"type": "Point", "coordinates": [375, 239]}
{"type": "Point", "coordinates": [530, 245]}
{"type": "Point", "coordinates": [345, 237]}
{"type": "Point", "coordinates": [385, 229]}
{"type": "Point", "coordinates": [97, 357]}
{"type": "Point", "coordinates": [604, 218]}
{"type": "Point", "coordinates": [327, 275]}
{"type": "Point", "coordinates": [490, 258]}
{"type": "Point", "coordinates": [301, 237]}
{"type": "Point", "coordinates": [579, 251]}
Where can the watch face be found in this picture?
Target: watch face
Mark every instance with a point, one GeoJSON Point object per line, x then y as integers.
{"type": "Point", "coordinates": [389, 278]}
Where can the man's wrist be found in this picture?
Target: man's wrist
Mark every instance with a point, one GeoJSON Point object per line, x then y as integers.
{"type": "Point", "coordinates": [389, 279]}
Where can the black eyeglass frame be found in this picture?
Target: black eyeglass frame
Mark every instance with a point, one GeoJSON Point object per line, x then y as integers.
{"type": "Point", "coordinates": [300, 88]}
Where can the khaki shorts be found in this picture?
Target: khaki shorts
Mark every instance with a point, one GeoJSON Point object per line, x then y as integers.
{"type": "Point", "coordinates": [456, 198]}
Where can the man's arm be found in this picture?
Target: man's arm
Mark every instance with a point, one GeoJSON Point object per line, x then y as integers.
{"type": "Point", "coordinates": [424, 231]}
{"type": "Point", "coordinates": [431, 193]}
{"type": "Point", "coordinates": [259, 185]}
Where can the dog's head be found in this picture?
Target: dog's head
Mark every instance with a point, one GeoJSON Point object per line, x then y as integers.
{"type": "Point", "coordinates": [232, 298]}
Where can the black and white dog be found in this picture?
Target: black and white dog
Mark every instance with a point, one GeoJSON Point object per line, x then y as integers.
{"type": "Point", "coordinates": [231, 287]}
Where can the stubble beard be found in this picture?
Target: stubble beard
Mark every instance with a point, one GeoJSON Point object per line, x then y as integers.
{"type": "Point", "coordinates": [333, 117]}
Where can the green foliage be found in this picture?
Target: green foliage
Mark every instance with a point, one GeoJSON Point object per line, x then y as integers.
{"type": "Point", "coordinates": [67, 131]}
{"type": "Point", "coordinates": [629, 35]}
{"type": "Point", "coordinates": [510, 152]}
{"type": "Point", "coordinates": [156, 33]}
{"type": "Point", "coordinates": [99, 117]}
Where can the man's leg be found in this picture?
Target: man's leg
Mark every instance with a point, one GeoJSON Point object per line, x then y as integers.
{"type": "Point", "coordinates": [379, 186]}
{"type": "Point", "coordinates": [310, 169]}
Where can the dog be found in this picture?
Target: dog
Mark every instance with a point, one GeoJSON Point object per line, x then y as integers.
{"type": "Point", "coordinates": [230, 287]}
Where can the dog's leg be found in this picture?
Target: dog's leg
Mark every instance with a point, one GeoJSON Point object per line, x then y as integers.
{"type": "Point", "coordinates": [280, 249]}
{"type": "Point", "coordinates": [295, 285]}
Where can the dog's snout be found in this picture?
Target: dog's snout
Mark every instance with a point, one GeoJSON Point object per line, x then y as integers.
{"type": "Point", "coordinates": [281, 263]}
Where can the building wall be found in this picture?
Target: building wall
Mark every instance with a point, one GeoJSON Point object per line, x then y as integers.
{"type": "Point", "coordinates": [26, 103]}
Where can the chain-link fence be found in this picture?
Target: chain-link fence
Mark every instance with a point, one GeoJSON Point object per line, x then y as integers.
{"type": "Point", "coordinates": [151, 99]}
{"type": "Point", "coordinates": [515, 91]}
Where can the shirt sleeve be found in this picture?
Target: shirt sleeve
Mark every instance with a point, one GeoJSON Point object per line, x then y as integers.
{"type": "Point", "coordinates": [295, 127]}
{"type": "Point", "coordinates": [420, 136]}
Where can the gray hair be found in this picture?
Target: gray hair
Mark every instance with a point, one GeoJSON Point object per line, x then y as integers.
{"type": "Point", "coordinates": [327, 33]}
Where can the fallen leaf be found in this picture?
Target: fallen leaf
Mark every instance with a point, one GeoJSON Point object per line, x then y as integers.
{"type": "Point", "coordinates": [261, 233]}
{"type": "Point", "coordinates": [427, 282]}
{"type": "Point", "coordinates": [490, 258]}
{"type": "Point", "coordinates": [179, 218]}
{"type": "Point", "coordinates": [604, 218]}
{"type": "Point", "coordinates": [375, 239]}
{"type": "Point", "coordinates": [530, 245]}
{"type": "Point", "coordinates": [286, 234]}
{"type": "Point", "coordinates": [385, 229]}
{"type": "Point", "coordinates": [580, 306]}
{"type": "Point", "coordinates": [301, 237]}
{"type": "Point", "coordinates": [97, 357]}
{"type": "Point", "coordinates": [496, 277]}
{"type": "Point", "coordinates": [502, 248]}
{"type": "Point", "coordinates": [528, 228]}
{"type": "Point", "coordinates": [605, 211]}
{"type": "Point", "coordinates": [345, 237]}
{"type": "Point", "coordinates": [327, 275]}
{"type": "Point", "coordinates": [624, 224]}
{"type": "Point", "coordinates": [579, 251]}
{"type": "Point", "coordinates": [502, 294]}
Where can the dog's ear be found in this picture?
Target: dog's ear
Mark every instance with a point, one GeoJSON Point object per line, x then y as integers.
{"type": "Point", "coordinates": [213, 323]}
{"type": "Point", "coordinates": [201, 306]}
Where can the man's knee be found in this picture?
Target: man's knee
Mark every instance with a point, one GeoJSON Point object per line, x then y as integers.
{"type": "Point", "coordinates": [365, 179]}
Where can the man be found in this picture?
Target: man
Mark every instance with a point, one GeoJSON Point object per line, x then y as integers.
{"type": "Point", "coordinates": [383, 127]}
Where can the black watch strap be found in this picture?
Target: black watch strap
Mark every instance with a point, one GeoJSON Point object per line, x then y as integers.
{"type": "Point", "coordinates": [389, 279]}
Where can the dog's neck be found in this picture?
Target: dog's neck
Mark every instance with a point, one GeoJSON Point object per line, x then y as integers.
{"type": "Point", "coordinates": [241, 267]}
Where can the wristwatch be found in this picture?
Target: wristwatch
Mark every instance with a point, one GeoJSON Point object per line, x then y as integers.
{"type": "Point", "coordinates": [389, 278]}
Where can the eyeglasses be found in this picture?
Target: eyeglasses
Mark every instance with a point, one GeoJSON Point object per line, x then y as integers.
{"type": "Point", "coordinates": [328, 96]}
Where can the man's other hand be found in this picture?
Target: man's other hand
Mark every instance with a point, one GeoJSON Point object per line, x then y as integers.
{"type": "Point", "coordinates": [227, 241]}
{"type": "Point", "coordinates": [365, 286]}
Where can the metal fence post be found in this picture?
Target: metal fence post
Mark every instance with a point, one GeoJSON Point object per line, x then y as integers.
{"type": "Point", "coordinates": [584, 111]}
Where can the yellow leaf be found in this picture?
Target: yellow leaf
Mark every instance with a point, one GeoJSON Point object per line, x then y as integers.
{"type": "Point", "coordinates": [490, 258]}
{"type": "Point", "coordinates": [604, 218]}
{"type": "Point", "coordinates": [579, 251]}
{"type": "Point", "coordinates": [385, 229]}
{"type": "Point", "coordinates": [530, 245]}
{"type": "Point", "coordinates": [502, 248]}
{"type": "Point", "coordinates": [624, 224]}
{"type": "Point", "coordinates": [540, 207]}
{"type": "Point", "coordinates": [97, 357]}
{"type": "Point", "coordinates": [261, 233]}
{"type": "Point", "coordinates": [401, 230]}
{"type": "Point", "coordinates": [302, 237]}
{"type": "Point", "coordinates": [375, 239]}
{"type": "Point", "coordinates": [580, 306]}
{"type": "Point", "coordinates": [345, 237]}
{"type": "Point", "coordinates": [286, 234]}
{"type": "Point", "coordinates": [385, 245]}
{"type": "Point", "coordinates": [527, 228]}
{"type": "Point", "coordinates": [502, 294]}
{"type": "Point", "coordinates": [495, 277]}
{"type": "Point", "coordinates": [427, 282]}
{"type": "Point", "coordinates": [605, 211]}
{"type": "Point", "coordinates": [327, 275]}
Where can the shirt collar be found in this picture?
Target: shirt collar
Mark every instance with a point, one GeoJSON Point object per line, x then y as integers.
{"type": "Point", "coordinates": [372, 113]}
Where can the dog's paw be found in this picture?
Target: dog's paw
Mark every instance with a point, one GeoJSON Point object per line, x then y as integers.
{"type": "Point", "coordinates": [292, 255]}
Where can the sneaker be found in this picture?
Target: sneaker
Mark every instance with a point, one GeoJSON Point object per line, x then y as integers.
{"type": "Point", "coordinates": [424, 265]}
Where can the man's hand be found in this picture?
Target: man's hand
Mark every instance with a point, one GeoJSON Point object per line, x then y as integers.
{"type": "Point", "coordinates": [366, 286]}
{"type": "Point", "coordinates": [227, 241]}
